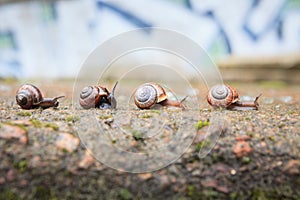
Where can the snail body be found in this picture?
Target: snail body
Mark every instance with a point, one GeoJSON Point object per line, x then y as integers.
{"type": "Point", "coordinates": [150, 94]}
{"type": "Point", "coordinates": [29, 96]}
{"type": "Point", "coordinates": [97, 97]}
{"type": "Point", "coordinates": [225, 96]}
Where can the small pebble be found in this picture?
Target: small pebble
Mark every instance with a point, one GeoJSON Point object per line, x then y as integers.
{"type": "Point", "coordinates": [145, 176]}
{"type": "Point", "coordinates": [233, 172]}
{"type": "Point", "coordinates": [242, 148]}
{"type": "Point", "coordinates": [66, 141]}
{"type": "Point", "coordinates": [292, 167]}
{"type": "Point", "coordinates": [2, 180]}
{"type": "Point", "coordinates": [9, 132]}
{"type": "Point", "coordinates": [87, 161]}
{"type": "Point", "coordinates": [242, 138]}
{"type": "Point", "coordinates": [10, 175]}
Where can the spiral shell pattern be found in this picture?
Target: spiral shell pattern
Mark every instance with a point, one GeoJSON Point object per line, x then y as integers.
{"type": "Point", "coordinates": [145, 96]}
{"type": "Point", "coordinates": [222, 96]}
{"type": "Point", "coordinates": [89, 97]}
{"type": "Point", "coordinates": [28, 95]}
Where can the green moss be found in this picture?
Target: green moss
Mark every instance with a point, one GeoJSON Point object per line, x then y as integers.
{"type": "Point", "coordinates": [18, 125]}
{"type": "Point", "coordinates": [64, 150]}
{"type": "Point", "coordinates": [200, 124]}
{"type": "Point", "coordinates": [199, 146]}
{"type": "Point", "coordinates": [72, 118]}
{"type": "Point", "coordinates": [36, 123]}
{"type": "Point", "coordinates": [101, 117]}
{"type": "Point", "coordinates": [41, 192]}
{"type": "Point", "coordinates": [273, 84]}
{"type": "Point", "coordinates": [250, 134]}
{"type": "Point", "coordinates": [203, 144]}
{"type": "Point", "coordinates": [258, 194]}
{"type": "Point", "coordinates": [137, 135]}
{"type": "Point", "coordinates": [194, 193]}
{"type": "Point", "coordinates": [216, 157]}
{"type": "Point", "coordinates": [53, 195]}
{"type": "Point", "coordinates": [272, 138]}
{"type": "Point", "coordinates": [156, 111]}
{"type": "Point", "coordinates": [247, 118]}
{"type": "Point", "coordinates": [146, 116]}
{"type": "Point", "coordinates": [246, 160]}
{"type": "Point", "coordinates": [67, 173]}
{"type": "Point", "coordinates": [113, 141]}
{"type": "Point", "coordinates": [298, 182]}
{"type": "Point", "coordinates": [233, 195]}
{"type": "Point", "coordinates": [22, 165]}
{"type": "Point", "coordinates": [8, 195]}
{"type": "Point", "coordinates": [125, 194]}
{"type": "Point", "coordinates": [291, 112]}
{"type": "Point", "coordinates": [210, 194]}
{"type": "Point", "coordinates": [8, 80]}
{"type": "Point", "coordinates": [24, 113]}
{"type": "Point", "coordinates": [53, 126]}
{"type": "Point", "coordinates": [190, 190]}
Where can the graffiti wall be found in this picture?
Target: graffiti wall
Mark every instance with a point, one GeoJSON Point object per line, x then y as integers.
{"type": "Point", "coordinates": [51, 39]}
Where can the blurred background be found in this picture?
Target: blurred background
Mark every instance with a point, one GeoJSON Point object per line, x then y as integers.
{"type": "Point", "coordinates": [249, 40]}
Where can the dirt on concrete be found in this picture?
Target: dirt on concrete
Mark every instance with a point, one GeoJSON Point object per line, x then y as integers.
{"type": "Point", "coordinates": [257, 156]}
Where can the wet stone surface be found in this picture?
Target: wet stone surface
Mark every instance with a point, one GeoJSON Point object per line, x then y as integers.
{"type": "Point", "coordinates": [257, 155]}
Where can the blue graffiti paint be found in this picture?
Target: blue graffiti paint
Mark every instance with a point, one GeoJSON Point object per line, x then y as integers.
{"type": "Point", "coordinates": [49, 12]}
{"type": "Point", "coordinates": [210, 14]}
{"type": "Point", "coordinates": [276, 23]}
{"type": "Point", "coordinates": [135, 20]}
{"type": "Point", "coordinates": [11, 68]}
{"type": "Point", "coordinates": [15, 66]}
{"type": "Point", "coordinates": [188, 4]}
{"type": "Point", "coordinates": [8, 37]}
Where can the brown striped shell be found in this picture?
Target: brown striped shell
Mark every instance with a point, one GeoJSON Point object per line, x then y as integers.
{"type": "Point", "coordinates": [91, 96]}
{"type": "Point", "coordinates": [28, 96]}
{"type": "Point", "coordinates": [98, 97]}
{"type": "Point", "coordinates": [222, 96]}
{"type": "Point", "coordinates": [149, 94]}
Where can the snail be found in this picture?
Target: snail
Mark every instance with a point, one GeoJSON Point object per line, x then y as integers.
{"type": "Point", "coordinates": [97, 97]}
{"type": "Point", "coordinates": [29, 97]}
{"type": "Point", "coordinates": [227, 97]}
{"type": "Point", "coordinates": [150, 94]}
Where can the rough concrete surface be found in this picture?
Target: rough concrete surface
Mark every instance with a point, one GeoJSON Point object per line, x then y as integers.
{"type": "Point", "coordinates": [257, 156]}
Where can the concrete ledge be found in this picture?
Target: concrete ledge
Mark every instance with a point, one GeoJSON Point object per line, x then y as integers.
{"type": "Point", "coordinates": [284, 68]}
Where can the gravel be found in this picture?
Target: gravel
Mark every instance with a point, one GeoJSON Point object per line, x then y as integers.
{"type": "Point", "coordinates": [257, 155]}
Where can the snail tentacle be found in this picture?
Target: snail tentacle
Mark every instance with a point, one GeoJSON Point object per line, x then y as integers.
{"type": "Point", "coordinates": [111, 97]}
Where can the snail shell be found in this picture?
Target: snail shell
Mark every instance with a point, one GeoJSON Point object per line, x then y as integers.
{"type": "Point", "coordinates": [28, 96]}
{"type": "Point", "coordinates": [92, 96]}
{"type": "Point", "coordinates": [222, 96]}
{"type": "Point", "coordinates": [149, 94]}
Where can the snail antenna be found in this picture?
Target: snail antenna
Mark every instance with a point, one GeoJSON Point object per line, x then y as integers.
{"type": "Point", "coordinates": [114, 88]}
{"type": "Point", "coordinates": [182, 100]}
{"type": "Point", "coordinates": [256, 98]}
{"type": "Point", "coordinates": [59, 97]}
